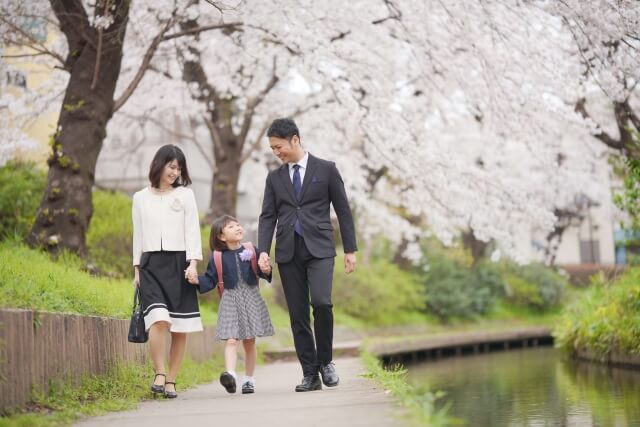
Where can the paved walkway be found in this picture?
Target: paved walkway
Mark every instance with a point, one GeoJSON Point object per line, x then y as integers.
{"type": "Point", "coordinates": [357, 401]}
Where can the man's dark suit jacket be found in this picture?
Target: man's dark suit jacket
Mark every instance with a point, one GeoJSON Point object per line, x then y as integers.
{"type": "Point", "coordinates": [322, 187]}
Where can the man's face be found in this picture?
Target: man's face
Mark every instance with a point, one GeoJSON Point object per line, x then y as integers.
{"type": "Point", "coordinates": [287, 151]}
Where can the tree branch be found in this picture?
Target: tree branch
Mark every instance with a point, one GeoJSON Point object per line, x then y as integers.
{"type": "Point", "coordinates": [202, 151]}
{"type": "Point", "coordinates": [197, 30]}
{"type": "Point", "coordinates": [74, 23]}
{"type": "Point", "coordinates": [254, 102]}
{"type": "Point", "coordinates": [256, 144]}
{"type": "Point", "coordinates": [146, 61]}
{"type": "Point", "coordinates": [631, 115]}
{"type": "Point", "coordinates": [602, 135]}
{"type": "Point", "coordinates": [41, 48]}
{"type": "Point", "coordinates": [96, 69]}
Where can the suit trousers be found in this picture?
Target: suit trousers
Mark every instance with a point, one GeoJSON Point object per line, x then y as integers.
{"type": "Point", "coordinates": [303, 277]}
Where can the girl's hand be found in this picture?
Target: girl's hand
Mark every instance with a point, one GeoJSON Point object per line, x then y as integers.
{"type": "Point", "coordinates": [136, 276]}
{"type": "Point", "coordinates": [193, 280]}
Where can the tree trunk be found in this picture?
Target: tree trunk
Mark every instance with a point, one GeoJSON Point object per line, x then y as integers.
{"type": "Point", "coordinates": [477, 248]}
{"type": "Point", "coordinates": [228, 155]}
{"type": "Point", "coordinates": [66, 207]}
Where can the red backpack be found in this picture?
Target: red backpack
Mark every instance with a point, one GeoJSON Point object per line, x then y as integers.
{"type": "Point", "coordinates": [217, 260]}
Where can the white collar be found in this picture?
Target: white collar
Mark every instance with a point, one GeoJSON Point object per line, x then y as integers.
{"type": "Point", "coordinates": [302, 162]}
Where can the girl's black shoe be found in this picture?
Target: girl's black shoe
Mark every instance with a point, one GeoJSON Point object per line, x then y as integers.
{"type": "Point", "coordinates": [157, 388]}
{"type": "Point", "coordinates": [247, 388]}
{"type": "Point", "coordinates": [170, 394]}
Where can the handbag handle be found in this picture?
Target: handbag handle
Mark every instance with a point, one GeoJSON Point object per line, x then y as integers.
{"type": "Point", "coordinates": [136, 299]}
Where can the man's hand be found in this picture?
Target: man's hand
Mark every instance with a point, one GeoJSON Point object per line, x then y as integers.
{"type": "Point", "coordinates": [349, 262]}
{"type": "Point", "coordinates": [263, 262]}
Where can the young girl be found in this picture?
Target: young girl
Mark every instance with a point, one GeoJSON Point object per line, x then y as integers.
{"type": "Point", "coordinates": [242, 314]}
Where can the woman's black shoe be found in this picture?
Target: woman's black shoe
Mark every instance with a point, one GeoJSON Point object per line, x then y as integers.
{"type": "Point", "coordinates": [228, 382]}
{"type": "Point", "coordinates": [157, 388]}
{"type": "Point", "coordinates": [170, 394]}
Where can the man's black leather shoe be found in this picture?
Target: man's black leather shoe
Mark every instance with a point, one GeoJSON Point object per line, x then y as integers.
{"type": "Point", "coordinates": [329, 375]}
{"type": "Point", "coordinates": [310, 383]}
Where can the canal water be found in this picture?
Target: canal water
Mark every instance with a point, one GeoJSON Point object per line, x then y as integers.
{"type": "Point", "coordinates": [532, 387]}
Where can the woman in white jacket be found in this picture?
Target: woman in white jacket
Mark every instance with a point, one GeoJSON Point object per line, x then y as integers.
{"type": "Point", "coordinates": [166, 249]}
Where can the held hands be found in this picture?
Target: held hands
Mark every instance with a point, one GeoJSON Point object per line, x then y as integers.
{"type": "Point", "coordinates": [191, 274]}
{"type": "Point", "coordinates": [263, 263]}
{"type": "Point", "coordinates": [349, 263]}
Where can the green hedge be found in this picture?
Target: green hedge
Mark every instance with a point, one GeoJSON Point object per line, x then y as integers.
{"type": "Point", "coordinates": [110, 233]}
{"type": "Point", "coordinates": [605, 318]}
{"type": "Point", "coordinates": [456, 291]}
{"type": "Point", "coordinates": [533, 286]}
{"type": "Point", "coordinates": [22, 185]}
{"type": "Point", "coordinates": [378, 292]}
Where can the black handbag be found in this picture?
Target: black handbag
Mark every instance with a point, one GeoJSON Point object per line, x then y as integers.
{"type": "Point", "coordinates": [137, 333]}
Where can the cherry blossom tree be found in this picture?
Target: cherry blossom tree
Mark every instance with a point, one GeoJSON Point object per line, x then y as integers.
{"type": "Point", "coordinates": [607, 36]}
{"type": "Point", "coordinates": [86, 61]}
{"type": "Point", "coordinates": [442, 116]}
{"type": "Point", "coordinates": [422, 98]}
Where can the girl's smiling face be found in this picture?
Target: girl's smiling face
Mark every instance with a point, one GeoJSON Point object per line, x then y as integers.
{"type": "Point", "coordinates": [232, 233]}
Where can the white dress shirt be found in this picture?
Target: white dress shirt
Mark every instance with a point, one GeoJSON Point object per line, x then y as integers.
{"type": "Point", "coordinates": [166, 221]}
{"type": "Point", "coordinates": [303, 167]}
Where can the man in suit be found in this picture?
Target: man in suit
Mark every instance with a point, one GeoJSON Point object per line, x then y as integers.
{"type": "Point", "coordinates": [297, 199]}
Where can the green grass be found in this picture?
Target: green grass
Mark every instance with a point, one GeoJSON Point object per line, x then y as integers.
{"type": "Point", "coordinates": [604, 318]}
{"type": "Point", "coordinates": [110, 233]}
{"type": "Point", "coordinates": [30, 279]}
{"type": "Point", "coordinates": [419, 402]}
{"type": "Point", "coordinates": [122, 388]}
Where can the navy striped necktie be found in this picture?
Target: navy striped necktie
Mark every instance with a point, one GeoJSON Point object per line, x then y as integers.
{"type": "Point", "coordinates": [297, 188]}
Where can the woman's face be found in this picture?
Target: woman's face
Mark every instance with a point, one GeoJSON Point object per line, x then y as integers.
{"type": "Point", "coordinates": [170, 173]}
{"type": "Point", "coordinates": [232, 233]}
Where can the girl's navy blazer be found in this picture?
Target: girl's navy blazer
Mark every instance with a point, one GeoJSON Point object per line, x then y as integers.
{"type": "Point", "coordinates": [209, 280]}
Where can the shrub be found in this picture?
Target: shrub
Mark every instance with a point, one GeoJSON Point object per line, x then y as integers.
{"type": "Point", "coordinates": [534, 286]}
{"type": "Point", "coordinates": [605, 318]}
{"type": "Point", "coordinates": [455, 291]}
{"type": "Point", "coordinates": [378, 293]}
{"type": "Point", "coordinates": [23, 185]}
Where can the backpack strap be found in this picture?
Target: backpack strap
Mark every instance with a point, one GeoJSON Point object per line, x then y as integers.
{"type": "Point", "coordinates": [254, 261]}
{"type": "Point", "coordinates": [217, 260]}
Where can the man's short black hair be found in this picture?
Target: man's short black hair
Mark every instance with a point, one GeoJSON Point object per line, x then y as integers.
{"type": "Point", "coordinates": [283, 128]}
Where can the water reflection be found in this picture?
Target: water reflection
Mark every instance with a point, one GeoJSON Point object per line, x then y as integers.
{"type": "Point", "coordinates": [533, 387]}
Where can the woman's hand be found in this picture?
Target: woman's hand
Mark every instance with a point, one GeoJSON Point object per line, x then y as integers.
{"type": "Point", "coordinates": [191, 273]}
{"type": "Point", "coordinates": [136, 276]}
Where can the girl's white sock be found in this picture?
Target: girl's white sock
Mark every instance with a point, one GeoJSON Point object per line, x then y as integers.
{"type": "Point", "coordinates": [247, 379]}
{"type": "Point", "coordinates": [233, 374]}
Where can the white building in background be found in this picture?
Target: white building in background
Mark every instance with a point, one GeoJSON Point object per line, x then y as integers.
{"type": "Point", "coordinates": [592, 241]}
